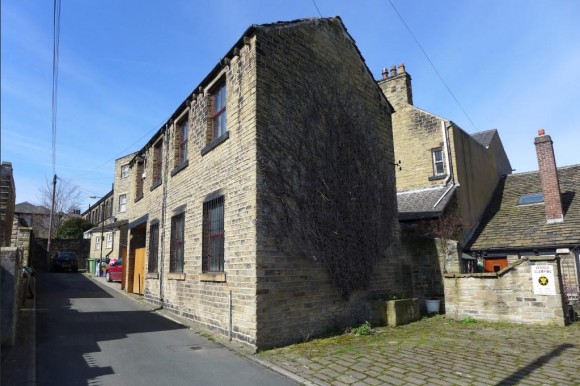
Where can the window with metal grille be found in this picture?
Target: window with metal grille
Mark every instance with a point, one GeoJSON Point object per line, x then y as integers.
{"type": "Point", "coordinates": [153, 247]}
{"type": "Point", "coordinates": [181, 141]}
{"type": "Point", "coordinates": [213, 235]}
{"type": "Point", "coordinates": [176, 250]}
{"type": "Point", "coordinates": [218, 111]}
{"type": "Point", "coordinates": [438, 166]}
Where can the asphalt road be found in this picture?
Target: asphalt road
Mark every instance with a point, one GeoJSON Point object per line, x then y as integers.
{"type": "Point", "coordinates": [88, 334]}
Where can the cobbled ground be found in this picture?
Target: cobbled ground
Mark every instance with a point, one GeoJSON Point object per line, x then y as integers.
{"type": "Point", "coordinates": [439, 351]}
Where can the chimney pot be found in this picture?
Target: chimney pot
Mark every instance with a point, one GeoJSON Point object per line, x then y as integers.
{"type": "Point", "coordinates": [393, 70]}
{"type": "Point", "coordinates": [401, 69]}
{"type": "Point", "coordinates": [385, 73]}
{"type": "Point", "coordinates": [541, 132]}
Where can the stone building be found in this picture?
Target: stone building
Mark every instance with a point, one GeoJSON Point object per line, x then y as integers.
{"type": "Point", "coordinates": [7, 203]}
{"type": "Point", "coordinates": [284, 150]}
{"type": "Point", "coordinates": [110, 217]}
{"type": "Point", "coordinates": [535, 215]}
{"type": "Point", "coordinates": [445, 180]}
{"type": "Point", "coordinates": [35, 216]}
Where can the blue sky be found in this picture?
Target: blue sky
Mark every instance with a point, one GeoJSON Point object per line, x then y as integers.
{"type": "Point", "coordinates": [125, 66]}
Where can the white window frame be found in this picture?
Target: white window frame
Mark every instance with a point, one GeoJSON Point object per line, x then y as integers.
{"type": "Point", "coordinates": [97, 243]}
{"type": "Point", "coordinates": [438, 162]}
{"type": "Point", "coordinates": [109, 240]}
{"type": "Point", "coordinates": [122, 202]}
{"type": "Point", "coordinates": [125, 171]}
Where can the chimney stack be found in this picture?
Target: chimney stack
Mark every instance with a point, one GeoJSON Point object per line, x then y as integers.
{"type": "Point", "coordinates": [549, 178]}
{"type": "Point", "coordinates": [396, 85]}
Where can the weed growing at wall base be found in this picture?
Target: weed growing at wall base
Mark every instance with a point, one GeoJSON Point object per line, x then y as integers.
{"type": "Point", "coordinates": [363, 329]}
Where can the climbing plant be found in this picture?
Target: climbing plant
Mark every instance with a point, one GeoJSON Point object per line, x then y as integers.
{"type": "Point", "coordinates": [327, 183]}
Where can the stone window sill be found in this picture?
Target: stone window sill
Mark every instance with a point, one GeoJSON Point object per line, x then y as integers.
{"type": "Point", "coordinates": [219, 277]}
{"type": "Point", "coordinates": [156, 184]}
{"type": "Point", "coordinates": [152, 275]}
{"type": "Point", "coordinates": [179, 168]}
{"type": "Point", "coordinates": [175, 276]}
{"type": "Point", "coordinates": [439, 177]}
{"type": "Point", "coordinates": [215, 143]}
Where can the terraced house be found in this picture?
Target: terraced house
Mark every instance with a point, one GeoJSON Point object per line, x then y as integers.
{"type": "Point", "coordinates": [109, 215]}
{"type": "Point", "coordinates": [281, 153]}
{"type": "Point", "coordinates": [445, 180]}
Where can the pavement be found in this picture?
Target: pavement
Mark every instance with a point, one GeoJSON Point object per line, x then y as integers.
{"type": "Point", "coordinates": [19, 361]}
{"type": "Point", "coordinates": [432, 351]}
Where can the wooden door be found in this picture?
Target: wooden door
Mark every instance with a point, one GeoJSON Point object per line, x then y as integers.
{"type": "Point", "coordinates": [139, 271]}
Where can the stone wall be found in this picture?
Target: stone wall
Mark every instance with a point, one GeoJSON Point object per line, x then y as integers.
{"type": "Point", "coordinates": [225, 167]}
{"type": "Point", "coordinates": [7, 202]}
{"type": "Point", "coordinates": [22, 237]}
{"type": "Point", "coordinates": [12, 292]}
{"type": "Point", "coordinates": [429, 258]}
{"type": "Point", "coordinates": [570, 280]}
{"type": "Point", "coordinates": [307, 77]}
{"type": "Point", "coordinates": [506, 296]}
{"type": "Point", "coordinates": [38, 255]}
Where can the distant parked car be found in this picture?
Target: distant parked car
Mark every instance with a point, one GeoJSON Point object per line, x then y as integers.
{"type": "Point", "coordinates": [115, 271]}
{"type": "Point", "coordinates": [65, 261]}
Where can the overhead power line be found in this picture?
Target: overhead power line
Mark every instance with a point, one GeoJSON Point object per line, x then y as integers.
{"type": "Point", "coordinates": [55, 48]}
{"type": "Point", "coordinates": [432, 64]}
{"type": "Point", "coordinates": [316, 6]}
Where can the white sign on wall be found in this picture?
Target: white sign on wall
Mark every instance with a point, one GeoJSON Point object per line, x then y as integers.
{"type": "Point", "coordinates": [543, 280]}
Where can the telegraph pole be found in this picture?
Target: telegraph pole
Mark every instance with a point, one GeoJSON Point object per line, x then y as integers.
{"type": "Point", "coordinates": [49, 246]}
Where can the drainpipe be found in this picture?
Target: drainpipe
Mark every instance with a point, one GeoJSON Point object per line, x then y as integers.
{"type": "Point", "coordinates": [447, 162]}
{"type": "Point", "coordinates": [165, 180]}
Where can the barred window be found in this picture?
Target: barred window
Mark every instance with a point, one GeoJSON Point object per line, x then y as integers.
{"type": "Point", "coordinates": [213, 235]}
{"type": "Point", "coordinates": [177, 238]}
{"type": "Point", "coordinates": [153, 247]}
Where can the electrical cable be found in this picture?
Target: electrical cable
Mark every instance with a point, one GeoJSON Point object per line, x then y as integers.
{"type": "Point", "coordinates": [316, 6]}
{"type": "Point", "coordinates": [55, 52]}
{"type": "Point", "coordinates": [432, 65]}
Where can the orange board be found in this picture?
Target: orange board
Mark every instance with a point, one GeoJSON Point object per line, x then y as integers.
{"type": "Point", "coordinates": [495, 264]}
{"type": "Point", "coordinates": [139, 271]}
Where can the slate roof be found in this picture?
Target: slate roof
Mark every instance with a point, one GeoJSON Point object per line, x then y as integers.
{"type": "Point", "coordinates": [508, 226]}
{"type": "Point", "coordinates": [27, 207]}
{"type": "Point", "coordinates": [484, 137]}
{"type": "Point", "coordinates": [418, 204]}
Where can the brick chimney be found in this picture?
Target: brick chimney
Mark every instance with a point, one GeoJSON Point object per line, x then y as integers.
{"type": "Point", "coordinates": [549, 178]}
{"type": "Point", "coordinates": [396, 85]}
